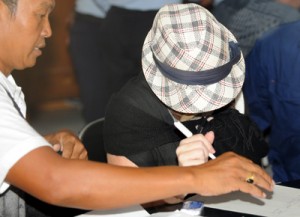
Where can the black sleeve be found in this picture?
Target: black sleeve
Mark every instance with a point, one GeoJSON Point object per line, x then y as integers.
{"type": "Point", "coordinates": [134, 127]}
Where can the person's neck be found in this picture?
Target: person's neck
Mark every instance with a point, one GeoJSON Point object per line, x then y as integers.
{"type": "Point", "coordinates": [2, 73]}
{"type": "Point", "coordinates": [6, 73]}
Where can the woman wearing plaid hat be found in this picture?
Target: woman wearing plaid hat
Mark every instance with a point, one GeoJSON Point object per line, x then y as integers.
{"type": "Point", "coordinates": [192, 72]}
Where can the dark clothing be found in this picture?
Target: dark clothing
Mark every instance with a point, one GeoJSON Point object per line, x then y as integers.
{"type": "Point", "coordinates": [86, 52]}
{"type": "Point", "coordinates": [272, 92]}
{"type": "Point", "coordinates": [227, 9]}
{"type": "Point", "coordinates": [139, 126]}
{"type": "Point", "coordinates": [124, 32]}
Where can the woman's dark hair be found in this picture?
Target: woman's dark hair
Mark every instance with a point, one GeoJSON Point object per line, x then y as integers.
{"type": "Point", "coordinates": [12, 5]}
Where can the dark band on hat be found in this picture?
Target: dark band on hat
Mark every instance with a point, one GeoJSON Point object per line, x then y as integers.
{"type": "Point", "coordinates": [205, 77]}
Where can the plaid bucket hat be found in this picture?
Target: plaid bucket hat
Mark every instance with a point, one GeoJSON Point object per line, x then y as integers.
{"type": "Point", "coordinates": [192, 62]}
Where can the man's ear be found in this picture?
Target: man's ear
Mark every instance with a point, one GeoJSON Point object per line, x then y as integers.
{"type": "Point", "coordinates": [3, 6]}
{"type": "Point", "coordinates": [5, 17]}
{"type": "Point", "coordinates": [3, 9]}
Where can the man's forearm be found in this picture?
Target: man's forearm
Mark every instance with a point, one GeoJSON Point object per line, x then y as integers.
{"type": "Point", "coordinates": [90, 185]}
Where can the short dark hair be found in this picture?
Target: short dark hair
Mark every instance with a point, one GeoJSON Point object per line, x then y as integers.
{"type": "Point", "coordinates": [12, 5]}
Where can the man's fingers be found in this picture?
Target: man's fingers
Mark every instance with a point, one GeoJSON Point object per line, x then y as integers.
{"type": "Point", "coordinates": [56, 147]}
{"type": "Point", "coordinates": [259, 179]}
{"type": "Point", "coordinates": [251, 189]}
{"type": "Point", "coordinates": [251, 176]}
{"type": "Point", "coordinates": [259, 176]}
{"type": "Point", "coordinates": [68, 151]}
{"type": "Point", "coordinates": [230, 172]}
{"type": "Point", "coordinates": [83, 155]}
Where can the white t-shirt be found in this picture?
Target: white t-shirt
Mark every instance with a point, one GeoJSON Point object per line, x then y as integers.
{"type": "Point", "coordinates": [17, 137]}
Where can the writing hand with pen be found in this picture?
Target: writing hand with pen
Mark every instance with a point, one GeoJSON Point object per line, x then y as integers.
{"type": "Point", "coordinates": [192, 151]}
{"type": "Point", "coordinates": [195, 150]}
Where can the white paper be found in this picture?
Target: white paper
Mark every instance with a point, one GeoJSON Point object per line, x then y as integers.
{"type": "Point", "coordinates": [284, 201]}
{"type": "Point", "coordinates": [133, 211]}
{"type": "Point", "coordinates": [171, 214]}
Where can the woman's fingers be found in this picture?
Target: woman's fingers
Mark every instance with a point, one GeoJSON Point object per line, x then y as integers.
{"type": "Point", "coordinates": [192, 154]}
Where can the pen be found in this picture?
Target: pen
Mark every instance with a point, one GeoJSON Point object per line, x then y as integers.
{"type": "Point", "coordinates": [185, 131]}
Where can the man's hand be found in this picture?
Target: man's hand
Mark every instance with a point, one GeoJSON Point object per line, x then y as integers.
{"type": "Point", "coordinates": [194, 150]}
{"type": "Point", "coordinates": [68, 143]}
{"type": "Point", "coordinates": [229, 172]}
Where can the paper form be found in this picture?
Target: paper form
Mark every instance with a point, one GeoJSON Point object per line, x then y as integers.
{"type": "Point", "coordinates": [171, 214]}
{"type": "Point", "coordinates": [284, 201]}
{"type": "Point", "coordinates": [133, 211]}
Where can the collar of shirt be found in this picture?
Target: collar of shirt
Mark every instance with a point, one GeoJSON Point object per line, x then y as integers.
{"type": "Point", "coordinates": [16, 92]}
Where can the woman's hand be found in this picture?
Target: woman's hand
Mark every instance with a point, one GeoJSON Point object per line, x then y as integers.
{"type": "Point", "coordinates": [194, 150]}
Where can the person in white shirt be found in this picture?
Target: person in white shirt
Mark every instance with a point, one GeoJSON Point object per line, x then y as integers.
{"type": "Point", "coordinates": [28, 162]}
